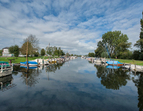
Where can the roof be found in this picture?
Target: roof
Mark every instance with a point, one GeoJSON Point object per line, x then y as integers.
{"type": "Point", "coordinates": [6, 48]}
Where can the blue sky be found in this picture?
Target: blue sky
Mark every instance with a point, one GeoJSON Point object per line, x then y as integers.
{"type": "Point", "coordinates": [74, 25]}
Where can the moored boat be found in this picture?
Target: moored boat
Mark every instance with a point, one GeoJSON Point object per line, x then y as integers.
{"type": "Point", "coordinates": [114, 63]}
{"type": "Point", "coordinates": [30, 67]}
{"type": "Point", "coordinates": [30, 63]}
{"type": "Point", "coordinates": [5, 64]}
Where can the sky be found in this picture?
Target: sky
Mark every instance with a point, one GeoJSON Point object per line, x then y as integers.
{"type": "Point", "coordinates": [74, 25]}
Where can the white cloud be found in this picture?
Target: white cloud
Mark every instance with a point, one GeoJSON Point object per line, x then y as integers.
{"type": "Point", "coordinates": [72, 25]}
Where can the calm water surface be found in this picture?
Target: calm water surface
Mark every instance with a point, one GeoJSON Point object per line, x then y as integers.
{"type": "Point", "coordinates": [76, 85]}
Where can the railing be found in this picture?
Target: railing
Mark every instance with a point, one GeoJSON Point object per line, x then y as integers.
{"type": "Point", "coordinates": [4, 67]}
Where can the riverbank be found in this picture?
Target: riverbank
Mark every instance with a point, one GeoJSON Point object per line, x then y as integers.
{"type": "Point", "coordinates": [21, 59]}
{"type": "Point", "coordinates": [137, 62]}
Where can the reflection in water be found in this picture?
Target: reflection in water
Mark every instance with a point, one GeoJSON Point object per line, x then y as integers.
{"type": "Point", "coordinates": [73, 87]}
{"type": "Point", "coordinates": [112, 78]}
{"type": "Point", "coordinates": [30, 77]}
{"type": "Point", "coordinates": [6, 83]}
{"type": "Point", "coordinates": [53, 67]}
{"type": "Point", "coordinates": [139, 84]}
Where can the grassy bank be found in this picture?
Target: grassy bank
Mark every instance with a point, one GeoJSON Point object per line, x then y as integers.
{"type": "Point", "coordinates": [137, 62]}
{"type": "Point", "coordinates": [19, 59]}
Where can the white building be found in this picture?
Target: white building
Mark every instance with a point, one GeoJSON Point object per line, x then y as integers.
{"type": "Point", "coordinates": [5, 52]}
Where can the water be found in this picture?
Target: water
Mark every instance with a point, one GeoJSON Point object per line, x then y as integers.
{"type": "Point", "coordinates": [76, 85]}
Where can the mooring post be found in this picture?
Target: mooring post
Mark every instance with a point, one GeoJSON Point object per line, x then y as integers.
{"type": "Point", "coordinates": [130, 66]}
{"type": "Point", "coordinates": [12, 66]}
{"type": "Point", "coordinates": [1, 68]}
{"type": "Point", "coordinates": [1, 85]}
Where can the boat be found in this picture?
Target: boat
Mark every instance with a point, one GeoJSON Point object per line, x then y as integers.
{"type": "Point", "coordinates": [30, 67]}
{"type": "Point", "coordinates": [30, 63]}
{"type": "Point", "coordinates": [5, 64]}
{"type": "Point", "coordinates": [114, 63]}
{"type": "Point", "coordinates": [42, 61]}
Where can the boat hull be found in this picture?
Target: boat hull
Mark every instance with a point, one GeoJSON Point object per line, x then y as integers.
{"type": "Point", "coordinates": [30, 63]}
{"type": "Point", "coordinates": [114, 63]}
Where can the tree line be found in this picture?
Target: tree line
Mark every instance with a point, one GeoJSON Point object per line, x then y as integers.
{"type": "Point", "coordinates": [115, 44]}
{"type": "Point", "coordinates": [30, 44]}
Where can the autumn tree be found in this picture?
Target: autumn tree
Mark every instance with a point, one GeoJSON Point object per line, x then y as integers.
{"type": "Point", "coordinates": [32, 45]}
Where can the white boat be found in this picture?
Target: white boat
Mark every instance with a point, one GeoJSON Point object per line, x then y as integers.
{"type": "Point", "coordinates": [42, 61]}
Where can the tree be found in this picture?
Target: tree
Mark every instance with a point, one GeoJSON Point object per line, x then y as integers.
{"type": "Point", "coordinates": [24, 48]}
{"type": "Point", "coordinates": [100, 49]}
{"type": "Point", "coordinates": [0, 52]}
{"type": "Point", "coordinates": [139, 43]}
{"type": "Point", "coordinates": [42, 52]}
{"type": "Point", "coordinates": [32, 45]}
{"type": "Point", "coordinates": [14, 50]}
{"type": "Point", "coordinates": [67, 54]}
{"type": "Point", "coordinates": [36, 54]}
{"type": "Point", "coordinates": [56, 52]}
{"type": "Point", "coordinates": [115, 42]}
{"type": "Point", "coordinates": [91, 54]}
{"type": "Point", "coordinates": [49, 50]}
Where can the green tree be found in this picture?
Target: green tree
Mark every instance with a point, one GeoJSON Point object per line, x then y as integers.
{"type": "Point", "coordinates": [36, 54]}
{"type": "Point", "coordinates": [0, 52]}
{"type": "Point", "coordinates": [14, 50]}
{"type": "Point", "coordinates": [104, 54]}
{"type": "Point", "coordinates": [91, 54]}
{"type": "Point", "coordinates": [67, 54]}
{"type": "Point", "coordinates": [100, 49]}
{"type": "Point", "coordinates": [116, 42]}
{"type": "Point", "coordinates": [139, 43]}
{"type": "Point", "coordinates": [56, 52]}
{"type": "Point", "coordinates": [42, 52]}
{"type": "Point", "coordinates": [49, 50]}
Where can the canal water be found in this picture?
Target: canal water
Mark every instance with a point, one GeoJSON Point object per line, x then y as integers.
{"type": "Point", "coordinates": [76, 85]}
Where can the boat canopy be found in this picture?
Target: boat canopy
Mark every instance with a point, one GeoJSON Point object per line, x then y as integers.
{"type": "Point", "coordinates": [113, 62]}
{"type": "Point", "coordinates": [29, 62]}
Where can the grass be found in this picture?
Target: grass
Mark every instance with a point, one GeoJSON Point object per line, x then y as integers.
{"type": "Point", "coordinates": [20, 59]}
{"type": "Point", "coordinates": [137, 62]}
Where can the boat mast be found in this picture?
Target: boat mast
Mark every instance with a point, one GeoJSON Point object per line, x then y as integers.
{"type": "Point", "coordinates": [27, 54]}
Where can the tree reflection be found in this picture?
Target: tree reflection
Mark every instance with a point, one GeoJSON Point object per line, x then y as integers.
{"type": "Point", "coordinates": [112, 78]}
{"type": "Point", "coordinates": [53, 67]}
{"type": "Point", "coordinates": [139, 84]}
{"type": "Point", "coordinates": [30, 77]}
{"type": "Point", "coordinates": [16, 69]}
